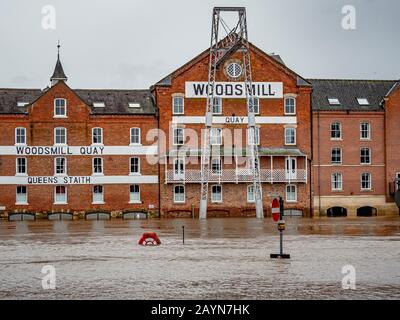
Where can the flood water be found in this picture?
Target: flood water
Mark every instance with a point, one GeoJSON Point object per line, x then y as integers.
{"type": "Point", "coordinates": [221, 259]}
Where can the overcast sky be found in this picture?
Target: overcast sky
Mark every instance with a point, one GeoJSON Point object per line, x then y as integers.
{"type": "Point", "coordinates": [134, 43]}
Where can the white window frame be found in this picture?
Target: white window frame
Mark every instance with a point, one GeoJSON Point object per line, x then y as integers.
{"type": "Point", "coordinates": [55, 136]}
{"type": "Point", "coordinates": [55, 108]}
{"type": "Point", "coordinates": [130, 166]}
{"type": "Point", "coordinates": [256, 106]}
{"type": "Point", "coordinates": [55, 195]}
{"type": "Point", "coordinates": [257, 130]}
{"type": "Point", "coordinates": [98, 201]}
{"type": "Point", "coordinates": [363, 101]}
{"type": "Point", "coordinates": [370, 155]}
{"type": "Point", "coordinates": [216, 139]}
{"type": "Point", "coordinates": [219, 104]}
{"type": "Point", "coordinates": [370, 181]}
{"type": "Point", "coordinates": [131, 197]}
{"type": "Point", "coordinates": [295, 138]}
{"type": "Point", "coordinates": [99, 104]}
{"type": "Point", "coordinates": [101, 143]}
{"type": "Point", "coordinates": [250, 199]}
{"type": "Point", "coordinates": [333, 181]}
{"type": "Point", "coordinates": [184, 193]}
{"type": "Point", "coordinates": [17, 167]}
{"type": "Point", "coordinates": [218, 164]}
{"type": "Point", "coordinates": [65, 166]}
{"type": "Point", "coordinates": [17, 202]}
{"type": "Point", "coordinates": [213, 200]}
{"type": "Point", "coordinates": [368, 131]}
{"type": "Point", "coordinates": [341, 156]}
{"type": "Point", "coordinates": [295, 193]}
{"type": "Point", "coordinates": [334, 101]}
{"type": "Point", "coordinates": [16, 136]}
{"type": "Point", "coordinates": [294, 105]}
{"type": "Point", "coordinates": [138, 135]}
{"type": "Point", "coordinates": [340, 130]}
{"type": "Point", "coordinates": [174, 136]}
{"type": "Point", "coordinates": [93, 167]}
{"type": "Point", "coordinates": [173, 105]}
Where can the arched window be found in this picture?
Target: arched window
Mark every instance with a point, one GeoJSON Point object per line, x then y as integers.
{"type": "Point", "coordinates": [290, 105]}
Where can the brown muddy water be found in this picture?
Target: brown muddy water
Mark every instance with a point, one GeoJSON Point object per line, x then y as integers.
{"type": "Point", "coordinates": [221, 259]}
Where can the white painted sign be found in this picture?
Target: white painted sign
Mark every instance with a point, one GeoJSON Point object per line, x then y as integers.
{"type": "Point", "coordinates": [40, 180]}
{"type": "Point", "coordinates": [263, 90]}
{"type": "Point", "coordinates": [77, 150]}
{"type": "Point", "coordinates": [234, 120]}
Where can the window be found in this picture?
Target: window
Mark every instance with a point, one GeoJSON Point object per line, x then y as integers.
{"type": "Point", "coordinates": [365, 156]}
{"type": "Point", "coordinates": [290, 136]}
{"type": "Point", "coordinates": [365, 130]}
{"type": "Point", "coordinates": [60, 107]}
{"type": "Point", "coordinates": [363, 101]}
{"type": "Point", "coordinates": [257, 136]}
{"type": "Point", "coordinates": [397, 179]}
{"type": "Point", "coordinates": [216, 166]}
{"type": "Point", "coordinates": [216, 193]}
{"type": "Point", "coordinates": [336, 130]}
{"type": "Point", "coordinates": [179, 194]}
{"type": "Point", "coordinates": [60, 195]}
{"type": "Point", "coordinates": [178, 105]}
{"type": "Point", "coordinates": [98, 195]}
{"type": "Point", "coordinates": [99, 104]}
{"type": "Point", "coordinates": [217, 105]}
{"type": "Point", "coordinates": [22, 166]}
{"type": "Point", "coordinates": [336, 156]}
{"type": "Point", "coordinates": [334, 101]}
{"type": "Point", "coordinates": [97, 166]}
{"type": "Point", "coordinates": [250, 193]}
{"type": "Point", "coordinates": [135, 136]}
{"type": "Point", "coordinates": [178, 136]}
{"type": "Point", "coordinates": [365, 181]}
{"type": "Point", "coordinates": [60, 135]}
{"type": "Point", "coordinates": [134, 165]}
{"type": "Point", "coordinates": [336, 182]}
{"type": "Point", "coordinates": [255, 105]}
{"type": "Point", "coordinates": [290, 105]}
{"type": "Point", "coordinates": [22, 195]}
{"type": "Point", "coordinates": [20, 136]}
{"type": "Point", "coordinates": [234, 70]}
{"type": "Point", "coordinates": [134, 105]}
{"type": "Point", "coordinates": [97, 136]}
{"type": "Point", "coordinates": [21, 103]}
{"type": "Point", "coordinates": [134, 193]}
{"type": "Point", "coordinates": [60, 166]}
{"type": "Point", "coordinates": [291, 193]}
{"type": "Point", "coordinates": [216, 136]}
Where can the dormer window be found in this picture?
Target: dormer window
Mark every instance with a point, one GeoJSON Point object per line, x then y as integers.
{"type": "Point", "coordinates": [60, 108]}
{"type": "Point", "coordinates": [134, 105]}
{"type": "Point", "coordinates": [22, 104]}
{"type": "Point", "coordinates": [363, 101]}
{"type": "Point", "coordinates": [334, 101]}
{"type": "Point", "coordinates": [99, 105]}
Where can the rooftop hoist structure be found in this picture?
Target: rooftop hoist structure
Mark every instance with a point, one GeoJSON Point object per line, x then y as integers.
{"type": "Point", "coordinates": [220, 49]}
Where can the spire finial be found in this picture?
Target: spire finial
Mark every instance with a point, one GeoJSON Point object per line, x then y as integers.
{"type": "Point", "coordinates": [58, 48]}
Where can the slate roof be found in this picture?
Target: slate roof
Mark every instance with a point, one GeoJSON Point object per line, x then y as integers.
{"type": "Point", "coordinates": [347, 91]}
{"type": "Point", "coordinates": [10, 97]}
{"type": "Point", "coordinates": [58, 73]}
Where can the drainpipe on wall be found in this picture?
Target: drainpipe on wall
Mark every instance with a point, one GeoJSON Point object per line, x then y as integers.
{"type": "Point", "coordinates": [319, 163]}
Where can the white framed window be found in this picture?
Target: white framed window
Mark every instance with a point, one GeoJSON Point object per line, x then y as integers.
{"type": "Point", "coordinates": [290, 136]}
{"type": "Point", "coordinates": [216, 193]}
{"type": "Point", "coordinates": [336, 182]}
{"type": "Point", "coordinates": [365, 131]}
{"type": "Point", "coordinates": [134, 105]}
{"type": "Point", "coordinates": [255, 105]}
{"type": "Point", "coordinates": [60, 166]}
{"type": "Point", "coordinates": [60, 108]}
{"type": "Point", "coordinates": [366, 181]}
{"type": "Point", "coordinates": [336, 156]}
{"type": "Point", "coordinates": [216, 136]}
{"type": "Point", "coordinates": [178, 136]}
{"type": "Point", "coordinates": [257, 136]}
{"type": "Point", "coordinates": [135, 136]}
{"type": "Point", "coordinates": [60, 195]}
{"type": "Point", "coordinates": [363, 101]}
{"type": "Point", "coordinates": [22, 104]}
{"type": "Point", "coordinates": [365, 156]}
{"type": "Point", "coordinates": [134, 193]}
{"type": "Point", "coordinates": [178, 105]}
{"type": "Point", "coordinates": [21, 195]}
{"type": "Point", "coordinates": [290, 106]}
{"type": "Point", "coordinates": [99, 104]}
{"type": "Point", "coordinates": [334, 101]}
{"type": "Point", "coordinates": [217, 105]}
{"type": "Point", "coordinates": [216, 166]}
{"type": "Point", "coordinates": [60, 135]}
{"type": "Point", "coordinates": [234, 70]}
{"type": "Point", "coordinates": [97, 136]}
{"type": "Point", "coordinates": [291, 193]}
{"type": "Point", "coordinates": [134, 165]}
{"type": "Point", "coordinates": [250, 193]}
{"type": "Point", "coordinates": [21, 166]}
{"type": "Point", "coordinates": [336, 130]}
{"type": "Point", "coordinates": [98, 194]}
{"type": "Point", "coordinates": [179, 193]}
{"type": "Point", "coordinates": [20, 135]}
{"type": "Point", "coordinates": [97, 166]}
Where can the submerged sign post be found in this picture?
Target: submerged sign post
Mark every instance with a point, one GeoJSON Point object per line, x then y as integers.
{"type": "Point", "coordinates": [281, 226]}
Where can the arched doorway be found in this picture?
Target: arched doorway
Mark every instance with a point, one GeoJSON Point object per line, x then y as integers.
{"type": "Point", "coordinates": [366, 211]}
{"type": "Point", "coordinates": [336, 212]}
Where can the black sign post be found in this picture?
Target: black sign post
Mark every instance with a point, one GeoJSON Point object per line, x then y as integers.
{"type": "Point", "coordinates": [281, 227]}
{"type": "Point", "coordinates": [397, 194]}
